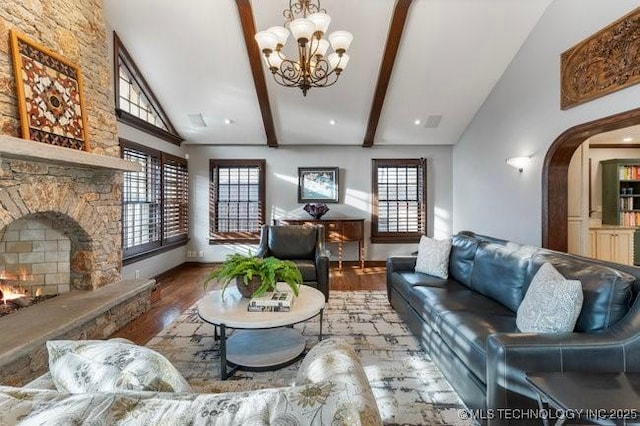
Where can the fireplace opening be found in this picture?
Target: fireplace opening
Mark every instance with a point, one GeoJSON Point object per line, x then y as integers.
{"type": "Point", "coordinates": [42, 255]}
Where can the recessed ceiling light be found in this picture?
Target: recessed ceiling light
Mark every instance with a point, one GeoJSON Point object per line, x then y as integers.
{"type": "Point", "coordinates": [627, 139]}
{"type": "Point", "coordinates": [417, 122]}
{"type": "Point", "coordinates": [228, 121]}
{"type": "Point", "coordinates": [332, 122]}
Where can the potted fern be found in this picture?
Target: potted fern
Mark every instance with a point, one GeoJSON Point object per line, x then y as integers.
{"type": "Point", "coordinates": [255, 275]}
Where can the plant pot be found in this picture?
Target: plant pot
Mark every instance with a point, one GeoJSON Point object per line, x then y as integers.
{"type": "Point", "coordinates": [250, 288]}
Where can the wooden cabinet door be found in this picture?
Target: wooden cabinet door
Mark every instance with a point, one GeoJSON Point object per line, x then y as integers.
{"type": "Point", "coordinates": [623, 247]}
{"type": "Point", "coordinates": [604, 246]}
{"type": "Point", "coordinates": [615, 246]}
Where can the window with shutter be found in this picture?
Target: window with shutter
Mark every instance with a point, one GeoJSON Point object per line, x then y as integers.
{"type": "Point", "coordinates": [176, 198]}
{"type": "Point", "coordinates": [399, 200]}
{"type": "Point", "coordinates": [155, 202]}
{"type": "Point", "coordinates": [237, 193]}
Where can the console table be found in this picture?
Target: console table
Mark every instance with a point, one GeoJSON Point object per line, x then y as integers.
{"type": "Point", "coordinates": [338, 231]}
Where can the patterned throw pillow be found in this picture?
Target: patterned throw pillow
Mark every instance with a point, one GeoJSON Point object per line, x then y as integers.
{"type": "Point", "coordinates": [552, 303]}
{"type": "Point", "coordinates": [79, 366]}
{"type": "Point", "coordinates": [433, 257]}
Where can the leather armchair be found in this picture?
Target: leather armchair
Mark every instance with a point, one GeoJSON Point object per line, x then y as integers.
{"type": "Point", "coordinates": [303, 245]}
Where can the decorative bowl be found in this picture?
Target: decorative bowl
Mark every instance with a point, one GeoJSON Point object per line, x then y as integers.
{"type": "Point", "coordinates": [316, 210]}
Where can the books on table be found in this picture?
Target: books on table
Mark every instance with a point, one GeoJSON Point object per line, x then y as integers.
{"type": "Point", "coordinates": [274, 301]}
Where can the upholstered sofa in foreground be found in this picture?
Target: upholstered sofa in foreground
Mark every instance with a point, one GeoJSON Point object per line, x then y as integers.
{"type": "Point", "coordinates": [468, 321]}
{"type": "Point", "coordinates": [331, 389]}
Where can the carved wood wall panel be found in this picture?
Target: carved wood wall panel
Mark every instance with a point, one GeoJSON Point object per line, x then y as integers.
{"type": "Point", "coordinates": [603, 63]}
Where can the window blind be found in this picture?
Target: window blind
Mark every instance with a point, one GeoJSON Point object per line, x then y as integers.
{"type": "Point", "coordinates": [399, 188]}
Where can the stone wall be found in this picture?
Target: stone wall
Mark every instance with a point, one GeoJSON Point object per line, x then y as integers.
{"type": "Point", "coordinates": [76, 30]}
{"type": "Point", "coordinates": [87, 202]}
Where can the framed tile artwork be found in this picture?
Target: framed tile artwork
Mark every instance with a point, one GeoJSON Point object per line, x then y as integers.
{"type": "Point", "coordinates": [318, 184]}
{"type": "Point", "coordinates": [49, 91]}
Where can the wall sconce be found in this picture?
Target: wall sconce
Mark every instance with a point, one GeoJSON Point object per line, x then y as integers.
{"type": "Point", "coordinates": [519, 162]}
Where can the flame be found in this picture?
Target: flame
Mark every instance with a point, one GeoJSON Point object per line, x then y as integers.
{"type": "Point", "coordinates": [38, 292]}
{"type": "Point", "coordinates": [10, 293]}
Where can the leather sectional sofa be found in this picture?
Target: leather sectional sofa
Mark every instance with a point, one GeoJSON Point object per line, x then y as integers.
{"type": "Point", "coordinates": [468, 322]}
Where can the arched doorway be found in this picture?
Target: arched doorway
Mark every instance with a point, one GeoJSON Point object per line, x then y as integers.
{"type": "Point", "coordinates": [555, 169]}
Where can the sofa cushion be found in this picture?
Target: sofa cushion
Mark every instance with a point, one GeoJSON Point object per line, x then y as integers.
{"type": "Point", "coordinates": [466, 333]}
{"type": "Point", "coordinates": [292, 242]}
{"type": "Point", "coordinates": [79, 366]}
{"type": "Point", "coordinates": [433, 257]}
{"type": "Point", "coordinates": [463, 251]}
{"type": "Point", "coordinates": [552, 303]}
{"type": "Point", "coordinates": [607, 292]}
{"type": "Point", "coordinates": [503, 272]}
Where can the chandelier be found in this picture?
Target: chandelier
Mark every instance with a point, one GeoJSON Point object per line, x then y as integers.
{"type": "Point", "coordinates": [313, 67]}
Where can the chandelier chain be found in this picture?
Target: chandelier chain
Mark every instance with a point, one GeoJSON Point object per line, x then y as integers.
{"type": "Point", "coordinates": [301, 7]}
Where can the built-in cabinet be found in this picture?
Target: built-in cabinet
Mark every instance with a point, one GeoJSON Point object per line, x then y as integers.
{"type": "Point", "coordinates": [621, 192]}
{"type": "Point", "coordinates": [613, 244]}
{"type": "Point", "coordinates": [621, 209]}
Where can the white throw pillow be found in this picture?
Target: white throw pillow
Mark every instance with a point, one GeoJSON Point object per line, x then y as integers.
{"type": "Point", "coordinates": [433, 257]}
{"type": "Point", "coordinates": [552, 303]}
{"type": "Point", "coordinates": [79, 366]}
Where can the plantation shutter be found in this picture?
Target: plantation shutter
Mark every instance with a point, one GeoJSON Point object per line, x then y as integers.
{"type": "Point", "coordinates": [399, 189]}
{"type": "Point", "coordinates": [176, 198]}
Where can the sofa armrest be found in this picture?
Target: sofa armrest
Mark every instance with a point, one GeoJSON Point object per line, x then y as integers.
{"type": "Point", "coordinates": [511, 355]}
{"type": "Point", "coordinates": [401, 263]}
{"type": "Point", "coordinates": [334, 361]}
{"type": "Point", "coordinates": [398, 263]}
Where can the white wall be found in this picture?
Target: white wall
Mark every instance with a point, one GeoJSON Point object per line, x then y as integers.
{"type": "Point", "coordinates": [522, 116]}
{"type": "Point", "coordinates": [355, 187]}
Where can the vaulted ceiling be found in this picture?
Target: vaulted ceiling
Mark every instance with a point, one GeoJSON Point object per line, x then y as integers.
{"type": "Point", "coordinates": [450, 55]}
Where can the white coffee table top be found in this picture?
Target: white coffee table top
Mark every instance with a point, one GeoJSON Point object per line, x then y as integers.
{"type": "Point", "coordinates": [232, 310]}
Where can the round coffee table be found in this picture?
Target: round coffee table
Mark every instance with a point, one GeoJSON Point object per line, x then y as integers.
{"type": "Point", "coordinates": [263, 340]}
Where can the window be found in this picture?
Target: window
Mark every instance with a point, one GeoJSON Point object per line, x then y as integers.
{"type": "Point", "coordinates": [155, 202]}
{"type": "Point", "coordinates": [236, 209]}
{"type": "Point", "coordinates": [136, 104]}
{"type": "Point", "coordinates": [399, 200]}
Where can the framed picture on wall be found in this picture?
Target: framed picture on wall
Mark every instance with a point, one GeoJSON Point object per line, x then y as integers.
{"type": "Point", "coordinates": [318, 184]}
{"type": "Point", "coordinates": [49, 91]}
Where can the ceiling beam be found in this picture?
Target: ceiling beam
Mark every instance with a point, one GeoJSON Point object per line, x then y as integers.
{"type": "Point", "coordinates": [249, 30]}
{"type": "Point", "coordinates": [386, 68]}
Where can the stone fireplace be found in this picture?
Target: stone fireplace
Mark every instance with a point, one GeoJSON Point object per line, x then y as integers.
{"type": "Point", "coordinates": [59, 216]}
{"type": "Point", "coordinates": [60, 234]}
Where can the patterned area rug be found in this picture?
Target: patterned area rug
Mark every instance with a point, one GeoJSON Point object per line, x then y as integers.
{"type": "Point", "coordinates": [409, 388]}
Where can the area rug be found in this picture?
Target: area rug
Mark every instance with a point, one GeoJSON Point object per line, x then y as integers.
{"type": "Point", "coordinates": [409, 388]}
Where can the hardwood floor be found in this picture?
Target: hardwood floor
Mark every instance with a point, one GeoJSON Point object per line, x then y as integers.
{"type": "Point", "coordinates": [182, 287]}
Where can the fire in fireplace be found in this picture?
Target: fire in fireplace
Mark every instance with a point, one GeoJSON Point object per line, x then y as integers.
{"type": "Point", "coordinates": [14, 298]}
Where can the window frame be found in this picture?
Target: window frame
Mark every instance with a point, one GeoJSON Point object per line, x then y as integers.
{"type": "Point", "coordinates": [163, 244]}
{"type": "Point", "coordinates": [249, 237]}
{"type": "Point", "coordinates": [397, 237]}
{"type": "Point", "coordinates": [121, 56]}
